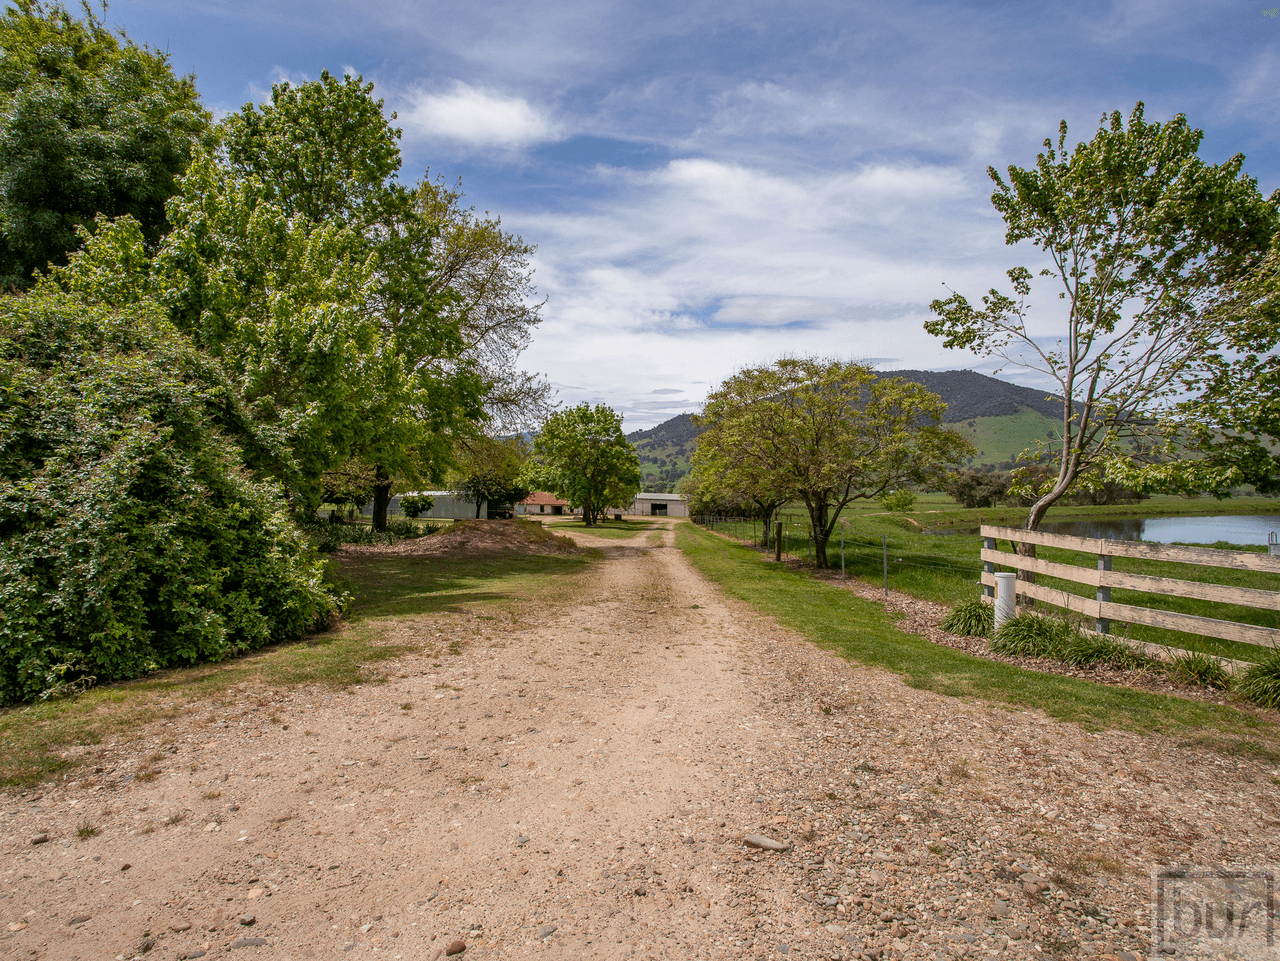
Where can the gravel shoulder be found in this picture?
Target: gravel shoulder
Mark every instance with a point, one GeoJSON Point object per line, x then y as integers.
{"type": "Point", "coordinates": [578, 784]}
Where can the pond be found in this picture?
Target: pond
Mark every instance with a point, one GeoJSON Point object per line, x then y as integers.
{"type": "Point", "coordinates": [1243, 529]}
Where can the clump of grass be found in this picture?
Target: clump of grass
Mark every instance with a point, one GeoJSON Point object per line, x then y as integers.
{"type": "Point", "coordinates": [211, 795]}
{"type": "Point", "coordinates": [86, 830]}
{"type": "Point", "coordinates": [178, 818]}
{"type": "Point", "coordinates": [147, 774]}
{"type": "Point", "coordinates": [974, 618]}
{"type": "Point", "coordinates": [1031, 635]}
{"type": "Point", "coordinates": [1198, 669]}
{"type": "Point", "coordinates": [1085, 650]}
{"type": "Point", "coordinates": [1035, 635]}
{"type": "Point", "coordinates": [1261, 683]}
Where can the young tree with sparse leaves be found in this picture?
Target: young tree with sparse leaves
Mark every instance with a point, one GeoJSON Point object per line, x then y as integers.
{"type": "Point", "coordinates": [1143, 238]}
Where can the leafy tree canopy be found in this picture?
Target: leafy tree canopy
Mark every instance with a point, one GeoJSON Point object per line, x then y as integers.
{"type": "Point", "coordinates": [827, 432]}
{"type": "Point", "coordinates": [582, 456]}
{"type": "Point", "coordinates": [90, 123]}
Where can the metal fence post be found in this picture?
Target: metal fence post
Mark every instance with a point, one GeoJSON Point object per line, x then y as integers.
{"type": "Point", "coordinates": [989, 567]}
{"type": "Point", "coordinates": [777, 543]}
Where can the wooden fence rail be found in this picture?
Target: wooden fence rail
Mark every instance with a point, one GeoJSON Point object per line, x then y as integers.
{"type": "Point", "coordinates": [1102, 578]}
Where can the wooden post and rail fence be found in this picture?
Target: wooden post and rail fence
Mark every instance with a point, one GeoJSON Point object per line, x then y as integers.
{"type": "Point", "coordinates": [1103, 579]}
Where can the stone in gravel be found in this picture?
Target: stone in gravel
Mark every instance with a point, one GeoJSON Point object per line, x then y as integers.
{"type": "Point", "coordinates": [179, 926]}
{"type": "Point", "coordinates": [765, 844]}
{"type": "Point", "coordinates": [40, 839]}
{"type": "Point", "coordinates": [81, 919]}
{"type": "Point", "coordinates": [455, 947]}
{"type": "Point", "coordinates": [522, 840]}
{"type": "Point", "coordinates": [197, 953]}
{"type": "Point", "coordinates": [248, 943]}
{"type": "Point", "coordinates": [546, 931]}
{"type": "Point", "coordinates": [247, 919]}
{"type": "Point", "coordinates": [17, 925]}
{"type": "Point", "coordinates": [145, 945]}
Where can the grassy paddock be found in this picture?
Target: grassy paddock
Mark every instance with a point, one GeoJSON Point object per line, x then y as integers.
{"type": "Point", "coordinates": [382, 586]}
{"type": "Point", "coordinates": [865, 632]}
{"type": "Point", "coordinates": [945, 567]}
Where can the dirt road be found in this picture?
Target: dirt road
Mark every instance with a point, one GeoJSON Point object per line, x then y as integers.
{"type": "Point", "coordinates": [579, 785]}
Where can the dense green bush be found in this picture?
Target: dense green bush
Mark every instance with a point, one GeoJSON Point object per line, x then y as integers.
{"type": "Point", "coordinates": [899, 501]}
{"type": "Point", "coordinates": [975, 618]}
{"type": "Point", "coordinates": [131, 536]}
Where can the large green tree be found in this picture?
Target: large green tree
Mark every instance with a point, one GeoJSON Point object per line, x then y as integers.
{"type": "Point", "coordinates": [306, 266]}
{"type": "Point", "coordinates": [90, 123]}
{"type": "Point", "coordinates": [581, 455]}
{"type": "Point", "coordinates": [733, 462]}
{"type": "Point", "coordinates": [1142, 238]}
{"type": "Point", "coordinates": [827, 433]}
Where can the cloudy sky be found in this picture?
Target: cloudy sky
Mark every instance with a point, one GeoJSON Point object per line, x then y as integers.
{"type": "Point", "coordinates": [715, 184]}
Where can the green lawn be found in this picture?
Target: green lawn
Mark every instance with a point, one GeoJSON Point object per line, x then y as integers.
{"type": "Point", "coordinates": [863, 631]}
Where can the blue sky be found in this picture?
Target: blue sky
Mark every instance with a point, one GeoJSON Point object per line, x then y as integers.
{"type": "Point", "coordinates": [716, 184]}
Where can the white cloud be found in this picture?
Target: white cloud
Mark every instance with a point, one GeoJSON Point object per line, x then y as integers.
{"type": "Point", "coordinates": [475, 116]}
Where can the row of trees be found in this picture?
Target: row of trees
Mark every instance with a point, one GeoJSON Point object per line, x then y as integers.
{"type": "Point", "coordinates": [205, 331]}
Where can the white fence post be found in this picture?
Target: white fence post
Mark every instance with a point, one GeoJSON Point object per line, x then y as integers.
{"type": "Point", "coordinates": [1006, 597]}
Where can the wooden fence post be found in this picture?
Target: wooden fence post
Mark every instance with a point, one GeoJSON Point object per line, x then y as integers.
{"type": "Point", "coordinates": [777, 543]}
{"type": "Point", "coordinates": [1102, 625]}
{"type": "Point", "coordinates": [988, 567]}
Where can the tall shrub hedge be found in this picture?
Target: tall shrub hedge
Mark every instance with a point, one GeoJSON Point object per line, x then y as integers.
{"type": "Point", "coordinates": [131, 536]}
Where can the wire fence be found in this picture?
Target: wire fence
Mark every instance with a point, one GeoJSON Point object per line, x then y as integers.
{"type": "Point", "coordinates": [861, 557]}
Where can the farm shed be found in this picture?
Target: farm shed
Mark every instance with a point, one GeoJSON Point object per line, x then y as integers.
{"type": "Point", "coordinates": [659, 505]}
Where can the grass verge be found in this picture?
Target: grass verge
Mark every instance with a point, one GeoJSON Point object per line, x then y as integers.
{"type": "Point", "coordinates": [861, 631]}
{"type": "Point", "coordinates": [611, 529]}
{"type": "Point", "coordinates": [35, 738]}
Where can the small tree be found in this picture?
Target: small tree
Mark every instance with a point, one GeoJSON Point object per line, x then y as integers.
{"type": "Point", "coordinates": [490, 470]}
{"type": "Point", "coordinates": [1143, 237]}
{"type": "Point", "coordinates": [834, 432]}
{"type": "Point", "coordinates": [976, 488]}
{"type": "Point", "coordinates": [415, 505]}
{"type": "Point", "coordinates": [582, 456]}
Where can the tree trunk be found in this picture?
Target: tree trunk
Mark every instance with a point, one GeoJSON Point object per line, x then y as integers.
{"type": "Point", "coordinates": [381, 498]}
{"type": "Point", "coordinates": [818, 522]}
{"type": "Point", "coordinates": [478, 503]}
{"type": "Point", "coordinates": [820, 539]}
{"type": "Point", "coordinates": [588, 514]}
{"type": "Point", "coordinates": [768, 523]}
